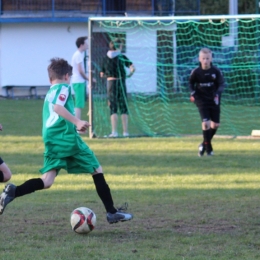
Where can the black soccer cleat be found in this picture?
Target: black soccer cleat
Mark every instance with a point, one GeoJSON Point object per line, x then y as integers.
{"type": "Point", "coordinates": [119, 215]}
{"type": "Point", "coordinates": [7, 196]}
{"type": "Point", "coordinates": [209, 149]}
{"type": "Point", "coordinates": [202, 149]}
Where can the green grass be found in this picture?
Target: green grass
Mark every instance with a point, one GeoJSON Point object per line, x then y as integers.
{"type": "Point", "coordinates": [147, 117]}
{"type": "Point", "coordinates": [160, 116]}
{"type": "Point", "coordinates": [184, 207]}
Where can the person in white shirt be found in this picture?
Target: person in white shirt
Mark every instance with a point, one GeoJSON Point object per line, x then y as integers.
{"type": "Point", "coordinates": [79, 77]}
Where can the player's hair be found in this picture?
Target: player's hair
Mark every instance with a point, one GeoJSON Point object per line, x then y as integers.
{"type": "Point", "coordinates": [114, 44]}
{"type": "Point", "coordinates": [206, 51]}
{"type": "Point", "coordinates": [80, 41]}
{"type": "Point", "coordinates": [58, 68]}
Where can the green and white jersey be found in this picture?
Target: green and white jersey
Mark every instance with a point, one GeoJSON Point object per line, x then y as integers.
{"type": "Point", "coordinates": [59, 135]}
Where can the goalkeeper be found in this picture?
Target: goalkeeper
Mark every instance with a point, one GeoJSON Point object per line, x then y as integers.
{"type": "Point", "coordinates": [113, 69]}
{"type": "Point", "coordinates": [206, 84]}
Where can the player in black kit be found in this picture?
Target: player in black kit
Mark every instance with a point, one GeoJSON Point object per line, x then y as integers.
{"type": "Point", "coordinates": [206, 85]}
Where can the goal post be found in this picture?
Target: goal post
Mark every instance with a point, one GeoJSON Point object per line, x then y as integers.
{"type": "Point", "coordinates": [164, 50]}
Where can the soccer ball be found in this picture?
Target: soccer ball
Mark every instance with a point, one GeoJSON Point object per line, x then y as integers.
{"type": "Point", "coordinates": [82, 220]}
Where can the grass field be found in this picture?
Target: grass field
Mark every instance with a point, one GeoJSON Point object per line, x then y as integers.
{"type": "Point", "coordinates": [146, 118]}
{"type": "Point", "coordinates": [184, 207]}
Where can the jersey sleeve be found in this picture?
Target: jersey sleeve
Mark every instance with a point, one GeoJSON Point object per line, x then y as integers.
{"type": "Point", "coordinates": [61, 96]}
{"type": "Point", "coordinates": [220, 82]}
{"type": "Point", "coordinates": [126, 61]}
{"type": "Point", "coordinates": [192, 81]}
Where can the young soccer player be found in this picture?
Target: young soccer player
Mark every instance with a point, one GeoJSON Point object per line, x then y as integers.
{"type": "Point", "coordinates": [206, 85]}
{"type": "Point", "coordinates": [79, 77]}
{"type": "Point", "coordinates": [64, 148]}
{"type": "Point", "coordinates": [5, 173]}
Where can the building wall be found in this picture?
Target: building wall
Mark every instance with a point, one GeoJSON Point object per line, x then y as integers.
{"type": "Point", "coordinates": [25, 50]}
{"type": "Point", "coordinates": [213, 7]}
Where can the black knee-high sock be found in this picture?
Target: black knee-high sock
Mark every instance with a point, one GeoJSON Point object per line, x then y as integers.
{"type": "Point", "coordinates": [207, 139]}
{"type": "Point", "coordinates": [206, 136]}
{"type": "Point", "coordinates": [212, 132]}
{"type": "Point", "coordinates": [104, 192]}
{"type": "Point", "coordinates": [1, 173]}
{"type": "Point", "coordinates": [1, 176]}
{"type": "Point", "coordinates": [29, 186]}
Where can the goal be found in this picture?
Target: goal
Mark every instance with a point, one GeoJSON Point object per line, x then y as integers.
{"type": "Point", "coordinates": [164, 50]}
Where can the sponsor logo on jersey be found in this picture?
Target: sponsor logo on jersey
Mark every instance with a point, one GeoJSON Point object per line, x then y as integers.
{"type": "Point", "coordinates": [213, 76]}
{"type": "Point", "coordinates": [209, 84]}
{"type": "Point", "coordinates": [62, 97]}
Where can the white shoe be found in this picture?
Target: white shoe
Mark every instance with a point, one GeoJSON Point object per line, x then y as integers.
{"type": "Point", "coordinates": [7, 196]}
{"type": "Point", "coordinates": [126, 134]}
{"type": "Point", "coordinates": [120, 215]}
{"type": "Point", "coordinates": [81, 132]}
{"type": "Point", "coordinates": [115, 134]}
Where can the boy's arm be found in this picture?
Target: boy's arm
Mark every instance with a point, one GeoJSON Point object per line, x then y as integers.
{"type": "Point", "coordinates": [63, 112]}
{"type": "Point", "coordinates": [129, 65]}
{"type": "Point", "coordinates": [221, 82]}
{"type": "Point", "coordinates": [103, 69]}
{"type": "Point", "coordinates": [192, 86]}
{"type": "Point", "coordinates": [132, 70]}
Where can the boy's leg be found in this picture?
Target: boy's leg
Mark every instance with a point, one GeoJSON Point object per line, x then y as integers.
{"type": "Point", "coordinates": [125, 124]}
{"type": "Point", "coordinates": [11, 191]}
{"type": "Point", "coordinates": [215, 120]}
{"type": "Point", "coordinates": [5, 173]}
{"type": "Point", "coordinates": [213, 132]}
{"type": "Point", "coordinates": [207, 139]}
{"type": "Point", "coordinates": [103, 192]}
{"type": "Point", "coordinates": [122, 100]}
{"type": "Point", "coordinates": [205, 118]}
{"type": "Point", "coordinates": [113, 215]}
{"type": "Point", "coordinates": [112, 102]}
{"type": "Point", "coordinates": [114, 119]}
{"type": "Point", "coordinates": [86, 162]}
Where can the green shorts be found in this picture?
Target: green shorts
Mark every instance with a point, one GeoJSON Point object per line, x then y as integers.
{"type": "Point", "coordinates": [83, 162]}
{"type": "Point", "coordinates": [80, 94]}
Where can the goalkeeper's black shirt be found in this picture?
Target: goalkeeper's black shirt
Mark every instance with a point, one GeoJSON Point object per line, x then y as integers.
{"type": "Point", "coordinates": [205, 84]}
{"type": "Point", "coordinates": [114, 65]}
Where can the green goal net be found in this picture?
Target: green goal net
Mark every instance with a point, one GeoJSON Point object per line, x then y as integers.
{"type": "Point", "coordinates": [164, 50]}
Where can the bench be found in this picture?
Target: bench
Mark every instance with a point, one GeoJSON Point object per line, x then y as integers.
{"type": "Point", "coordinates": [9, 90]}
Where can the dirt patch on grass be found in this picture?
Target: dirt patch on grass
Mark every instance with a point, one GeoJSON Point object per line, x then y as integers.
{"type": "Point", "coordinates": [209, 227]}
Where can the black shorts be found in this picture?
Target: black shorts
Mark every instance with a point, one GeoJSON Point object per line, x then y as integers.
{"type": "Point", "coordinates": [117, 96]}
{"type": "Point", "coordinates": [209, 112]}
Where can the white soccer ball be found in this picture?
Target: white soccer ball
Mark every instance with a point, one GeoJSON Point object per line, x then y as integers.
{"type": "Point", "coordinates": [83, 220]}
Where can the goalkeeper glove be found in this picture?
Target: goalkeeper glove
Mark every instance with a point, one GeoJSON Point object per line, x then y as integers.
{"type": "Point", "coordinates": [192, 96]}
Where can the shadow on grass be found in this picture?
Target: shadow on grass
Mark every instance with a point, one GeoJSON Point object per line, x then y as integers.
{"type": "Point", "coordinates": [152, 163]}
